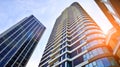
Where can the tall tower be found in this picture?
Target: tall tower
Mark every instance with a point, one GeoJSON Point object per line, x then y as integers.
{"type": "Point", "coordinates": [76, 41]}
{"type": "Point", "coordinates": [18, 42]}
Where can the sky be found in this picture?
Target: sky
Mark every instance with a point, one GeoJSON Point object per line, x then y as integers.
{"type": "Point", "coordinates": [46, 11]}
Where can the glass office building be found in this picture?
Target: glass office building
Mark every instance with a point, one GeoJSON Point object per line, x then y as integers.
{"type": "Point", "coordinates": [18, 42]}
{"type": "Point", "coordinates": [76, 41]}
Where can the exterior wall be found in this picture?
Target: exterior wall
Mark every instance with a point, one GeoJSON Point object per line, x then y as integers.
{"type": "Point", "coordinates": [113, 41]}
{"type": "Point", "coordinates": [18, 42]}
{"type": "Point", "coordinates": [76, 41]}
{"type": "Point", "coordinates": [116, 6]}
{"type": "Point", "coordinates": [111, 8]}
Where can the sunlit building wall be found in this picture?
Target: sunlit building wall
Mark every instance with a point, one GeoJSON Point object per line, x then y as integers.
{"type": "Point", "coordinates": [76, 41]}
{"type": "Point", "coordinates": [113, 42]}
{"type": "Point", "coordinates": [111, 8]}
{"type": "Point", "coordinates": [18, 42]}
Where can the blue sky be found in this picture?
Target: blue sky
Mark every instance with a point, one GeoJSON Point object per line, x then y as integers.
{"type": "Point", "coordinates": [12, 11]}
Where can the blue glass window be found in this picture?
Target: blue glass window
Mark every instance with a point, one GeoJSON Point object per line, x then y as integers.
{"type": "Point", "coordinates": [106, 62]}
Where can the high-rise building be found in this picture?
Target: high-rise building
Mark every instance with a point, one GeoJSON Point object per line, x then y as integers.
{"type": "Point", "coordinates": [111, 9]}
{"type": "Point", "coordinates": [76, 41]}
{"type": "Point", "coordinates": [18, 42]}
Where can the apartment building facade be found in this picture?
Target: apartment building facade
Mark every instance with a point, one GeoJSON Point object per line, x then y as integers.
{"type": "Point", "coordinates": [76, 41]}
